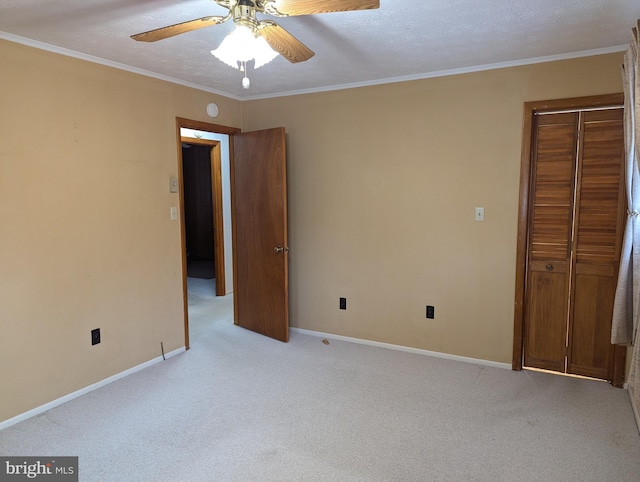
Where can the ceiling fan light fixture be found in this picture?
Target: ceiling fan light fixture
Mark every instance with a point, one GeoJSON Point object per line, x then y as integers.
{"type": "Point", "coordinates": [263, 53]}
{"type": "Point", "coordinates": [241, 46]}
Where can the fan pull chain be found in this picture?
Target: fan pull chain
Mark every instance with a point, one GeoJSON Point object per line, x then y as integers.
{"type": "Point", "coordinates": [246, 83]}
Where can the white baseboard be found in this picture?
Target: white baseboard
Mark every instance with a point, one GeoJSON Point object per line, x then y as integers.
{"type": "Point", "coordinates": [407, 349]}
{"type": "Point", "coordinates": [48, 406]}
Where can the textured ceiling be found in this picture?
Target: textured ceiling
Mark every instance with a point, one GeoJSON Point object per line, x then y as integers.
{"type": "Point", "coordinates": [402, 39]}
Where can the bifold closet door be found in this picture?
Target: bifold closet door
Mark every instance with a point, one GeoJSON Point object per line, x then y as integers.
{"type": "Point", "coordinates": [549, 252]}
{"type": "Point", "coordinates": [575, 234]}
{"type": "Point", "coordinates": [598, 221]}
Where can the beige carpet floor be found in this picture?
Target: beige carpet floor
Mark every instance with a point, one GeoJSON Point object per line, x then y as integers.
{"type": "Point", "coordinates": [242, 407]}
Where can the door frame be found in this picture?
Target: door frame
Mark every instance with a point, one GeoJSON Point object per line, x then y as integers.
{"type": "Point", "coordinates": [216, 178]}
{"type": "Point", "coordinates": [530, 110]}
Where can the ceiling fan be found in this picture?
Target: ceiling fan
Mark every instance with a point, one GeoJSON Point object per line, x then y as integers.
{"type": "Point", "coordinates": [243, 13]}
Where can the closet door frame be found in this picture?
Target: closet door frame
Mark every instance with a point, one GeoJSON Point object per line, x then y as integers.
{"type": "Point", "coordinates": [530, 110]}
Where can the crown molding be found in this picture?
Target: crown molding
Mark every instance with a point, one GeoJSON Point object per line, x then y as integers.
{"type": "Point", "coordinates": [390, 80]}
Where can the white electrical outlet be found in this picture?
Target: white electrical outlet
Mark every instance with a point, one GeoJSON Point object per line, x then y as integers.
{"type": "Point", "coordinates": [480, 214]}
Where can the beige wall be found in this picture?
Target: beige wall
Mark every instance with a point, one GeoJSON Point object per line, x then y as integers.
{"type": "Point", "coordinates": [86, 153]}
{"type": "Point", "coordinates": [383, 182]}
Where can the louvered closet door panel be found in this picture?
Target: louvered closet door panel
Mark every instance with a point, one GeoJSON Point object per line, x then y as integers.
{"type": "Point", "coordinates": [556, 145]}
{"type": "Point", "coordinates": [597, 242]}
{"type": "Point", "coordinates": [548, 265]}
{"type": "Point", "coordinates": [547, 309]}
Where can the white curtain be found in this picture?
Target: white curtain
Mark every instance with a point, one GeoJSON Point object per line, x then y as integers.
{"type": "Point", "coordinates": [627, 301]}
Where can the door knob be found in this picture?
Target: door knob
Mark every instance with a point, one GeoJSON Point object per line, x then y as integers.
{"type": "Point", "coordinates": [549, 267]}
{"type": "Point", "coordinates": [278, 249]}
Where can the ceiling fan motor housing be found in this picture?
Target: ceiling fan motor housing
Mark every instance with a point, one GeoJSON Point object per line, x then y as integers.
{"type": "Point", "coordinates": [244, 13]}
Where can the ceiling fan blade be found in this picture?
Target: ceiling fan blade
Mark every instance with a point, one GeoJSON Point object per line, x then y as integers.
{"type": "Point", "coordinates": [284, 43]}
{"type": "Point", "coordinates": [308, 7]}
{"type": "Point", "coordinates": [177, 29]}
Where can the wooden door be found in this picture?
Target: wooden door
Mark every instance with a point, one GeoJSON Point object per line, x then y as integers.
{"type": "Point", "coordinates": [598, 231]}
{"type": "Point", "coordinates": [259, 203]}
{"type": "Point", "coordinates": [549, 260]}
{"type": "Point", "coordinates": [574, 241]}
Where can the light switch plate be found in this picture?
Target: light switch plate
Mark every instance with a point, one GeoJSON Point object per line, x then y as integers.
{"type": "Point", "coordinates": [173, 212]}
{"type": "Point", "coordinates": [480, 214]}
{"type": "Point", "coordinates": [173, 184]}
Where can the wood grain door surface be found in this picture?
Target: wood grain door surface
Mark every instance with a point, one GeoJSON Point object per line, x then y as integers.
{"type": "Point", "coordinates": [598, 232]}
{"type": "Point", "coordinates": [261, 284]}
{"type": "Point", "coordinates": [549, 259]}
{"type": "Point", "coordinates": [574, 241]}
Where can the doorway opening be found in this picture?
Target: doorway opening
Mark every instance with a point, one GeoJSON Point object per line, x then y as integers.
{"type": "Point", "coordinates": [204, 180]}
{"type": "Point", "coordinates": [257, 215]}
{"type": "Point", "coordinates": [205, 253]}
